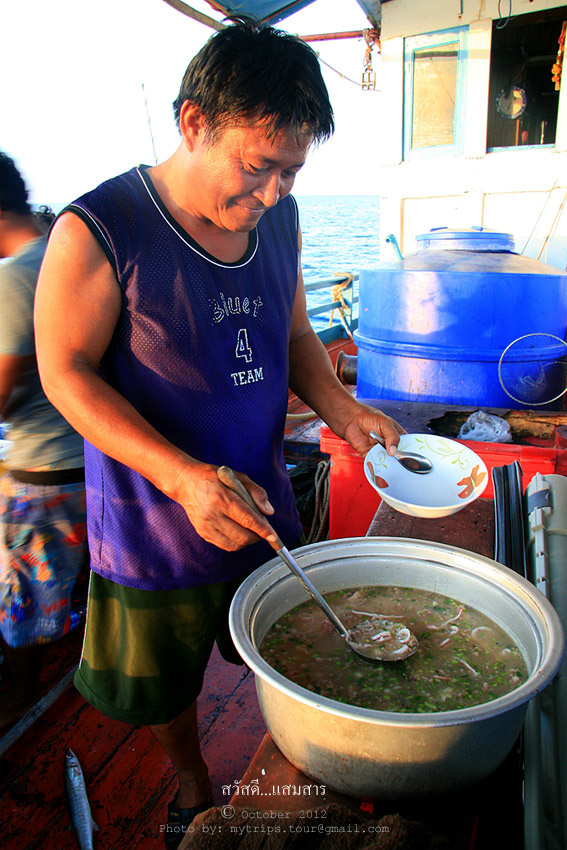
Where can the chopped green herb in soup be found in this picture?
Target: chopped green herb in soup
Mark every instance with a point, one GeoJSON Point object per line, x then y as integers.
{"type": "Point", "coordinates": [463, 658]}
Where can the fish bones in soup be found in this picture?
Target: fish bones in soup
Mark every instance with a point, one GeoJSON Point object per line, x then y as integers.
{"type": "Point", "coordinates": [463, 659]}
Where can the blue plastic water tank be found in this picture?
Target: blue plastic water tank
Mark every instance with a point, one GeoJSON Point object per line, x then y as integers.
{"type": "Point", "coordinates": [433, 326]}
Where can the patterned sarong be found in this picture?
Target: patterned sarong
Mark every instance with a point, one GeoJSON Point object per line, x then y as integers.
{"type": "Point", "coordinates": [42, 549]}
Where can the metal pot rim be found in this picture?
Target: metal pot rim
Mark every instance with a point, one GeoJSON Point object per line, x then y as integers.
{"type": "Point", "coordinates": [274, 572]}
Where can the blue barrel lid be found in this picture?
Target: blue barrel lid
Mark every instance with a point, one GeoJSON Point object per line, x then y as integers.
{"type": "Point", "coordinates": [467, 239]}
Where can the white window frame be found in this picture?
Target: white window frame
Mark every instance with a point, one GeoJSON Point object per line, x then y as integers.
{"type": "Point", "coordinates": [435, 39]}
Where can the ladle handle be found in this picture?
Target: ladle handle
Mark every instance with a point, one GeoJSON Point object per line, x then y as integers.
{"type": "Point", "coordinates": [286, 556]}
{"type": "Point", "coordinates": [229, 479]}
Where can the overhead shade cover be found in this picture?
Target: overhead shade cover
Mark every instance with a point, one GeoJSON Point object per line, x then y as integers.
{"type": "Point", "coordinates": [271, 11]}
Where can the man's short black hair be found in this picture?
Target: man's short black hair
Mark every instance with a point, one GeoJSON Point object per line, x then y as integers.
{"type": "Point", "coordinates": [13, 192]}
{"type": "Point", "coordinates": [257, 72]}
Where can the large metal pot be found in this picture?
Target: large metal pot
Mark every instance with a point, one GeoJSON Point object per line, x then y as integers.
{"type": "Point", "coordinates": [359, 751]}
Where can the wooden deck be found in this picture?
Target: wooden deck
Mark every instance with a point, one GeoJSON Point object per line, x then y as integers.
{"type": "Point", "coordinates": [128, 778]}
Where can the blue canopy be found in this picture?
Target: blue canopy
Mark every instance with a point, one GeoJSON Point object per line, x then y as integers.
{"type": "Point", "coordinates": [272, 11]}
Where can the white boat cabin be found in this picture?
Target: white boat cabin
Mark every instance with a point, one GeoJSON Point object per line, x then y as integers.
{"type": "Point", "coordinates": [474, 122]}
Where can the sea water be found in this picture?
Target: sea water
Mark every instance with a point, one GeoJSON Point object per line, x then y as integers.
{"type": "Point", "coordinates": [340, 234]}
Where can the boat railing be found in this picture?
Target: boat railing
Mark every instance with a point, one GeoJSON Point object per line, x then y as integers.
{"type": "Point", "coordinates": [342, 317]}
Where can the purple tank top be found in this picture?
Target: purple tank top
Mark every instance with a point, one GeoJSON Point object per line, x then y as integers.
{"type": "Point", "coordinates": [201, 351]}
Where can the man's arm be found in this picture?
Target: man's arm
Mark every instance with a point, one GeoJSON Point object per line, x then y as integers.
{"type": "Point", "coordinates": [313, 379]}
{"type": "Point", "coordinates": [78, 302]}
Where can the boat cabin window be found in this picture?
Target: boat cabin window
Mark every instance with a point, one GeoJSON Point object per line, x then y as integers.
{"type": "Point", "coordinates": [525, 78]}
{"type": "Point", "coordinates": [434, 94]}
{"type": "Point", "coordinates": [434, 91]}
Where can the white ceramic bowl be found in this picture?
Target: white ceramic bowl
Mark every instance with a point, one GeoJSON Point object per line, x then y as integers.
{"type": "Point", "coordinates": [458, 477]}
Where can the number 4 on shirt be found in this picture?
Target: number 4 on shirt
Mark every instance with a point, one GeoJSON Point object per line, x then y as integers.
{"type": "Point", "coordinates": [242, 347]}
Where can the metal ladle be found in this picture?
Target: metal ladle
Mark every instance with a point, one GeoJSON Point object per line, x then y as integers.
{"type": "Point", "coordinates": [367, 639]}
{"type": "Point", "coordinates": [409, 460]}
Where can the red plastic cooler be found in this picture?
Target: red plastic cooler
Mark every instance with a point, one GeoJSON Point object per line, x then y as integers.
{"type": "Point", "coordinates": [353, 501]}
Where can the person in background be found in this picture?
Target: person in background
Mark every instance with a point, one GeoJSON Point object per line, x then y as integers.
{"type": "Point", "coordinates": [42, 492]}
{"type": "Point", "coordinates": [171, 320]}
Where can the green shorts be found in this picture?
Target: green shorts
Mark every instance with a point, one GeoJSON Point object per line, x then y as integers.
{"type": "Point", "coordinates": [145, 651]}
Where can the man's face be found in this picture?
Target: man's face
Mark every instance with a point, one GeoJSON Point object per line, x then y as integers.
{"type": "Point", "coordinates": [242, 173]}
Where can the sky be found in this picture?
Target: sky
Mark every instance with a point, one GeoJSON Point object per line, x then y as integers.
{"type": "Point", "coordinates": [81, 82]}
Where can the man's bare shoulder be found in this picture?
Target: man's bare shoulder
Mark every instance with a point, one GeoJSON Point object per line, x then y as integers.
{"type": "Point", "coordinates": [71, 240]}
{"type": "Point", "coordinates": [70, 228]}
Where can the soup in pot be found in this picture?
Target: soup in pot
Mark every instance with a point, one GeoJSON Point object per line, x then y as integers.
{"type": "Point", "coordinates": [463, 658]}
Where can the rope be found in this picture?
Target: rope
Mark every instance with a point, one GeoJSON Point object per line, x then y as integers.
{"type": "Point", "coordinates": [299, 417]}
{"type": "Point", "coordinates": [319, 526]}
{"type": "Point", "coordinates": [554, 225]}
{"type": "Point", "coordinates": [539, 216]}
{"type": "Point", "coordinates": [341, 75]}
{"type": "Point", "coordinates": [368, 76]}
{"type": "Point", "coordinates": [337, 295]}
{"type": "Point", "coordinates": [367, 62]}
{"type": "Point", "coordinates": [371, 36]}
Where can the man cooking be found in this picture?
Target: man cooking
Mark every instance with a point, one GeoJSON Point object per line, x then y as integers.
{"type": "Point", "coordinates": [170, 321]}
